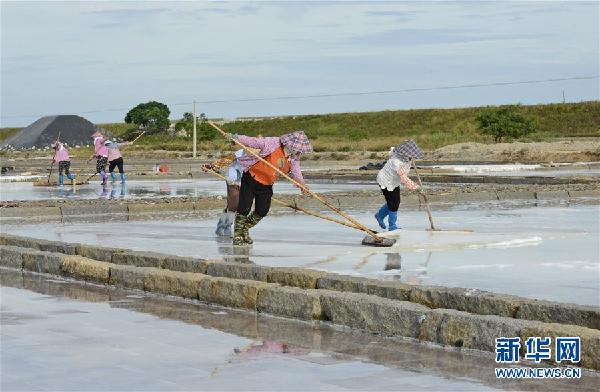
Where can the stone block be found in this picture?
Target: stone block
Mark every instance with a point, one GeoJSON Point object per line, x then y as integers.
{"type": "Point", "coordinates": [590, 340]}
{"type": "Point", "coordinates": [129, 276]}
{"type": "Point", "coordinates": [465, 330]}
{"type": "Point", "coordinates": [516, 195]}
{"type": "Point", "coordinates": [82, 268]}
{"type": "Point", "coordinates": [139, 259]}
{"type": "Point", "coordinates": [468, 300]}
{"type": "Point", "coordinates": [238, 271]}
{"type": "Point", "coordinates": [295, 277]}
{"type": "Point", "coordinates": [184, 264]}
{"type": "Point", "coordinates": [562, 313]}
{"type": "Point", "coordinates": [181, 284]}
{"type": "Point", "coordinates": [44, 262]}
{"type": "Point", "coordinates": [290, 302]}
{"type": "Point", "coordinates": [234, 293]}
{"type": "Point", "coordinates": [371, 313]}
{"type": "Point", "coordinates": [11, 256]}
{"type": "Point", "coordinates": [99, 253]}
{"type": "Point", "coordinates": [552, 195]}
{"type": "Point", "coordinates": [353, 284]}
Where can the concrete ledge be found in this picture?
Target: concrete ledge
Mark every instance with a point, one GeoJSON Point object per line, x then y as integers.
{"type": "Point", "coordinates": [182, 284]}
{"type": "Point", "coordinates": [583, 193]}
{"type": "Point", "coordinates": [238, 271]}
{"type": "Point", "coordinates": [129, 276]}
{"type": "Point", "coordinates": [86, 269]}
{"type": "Point", "coordinates": [139, 259]}
{"type": "Point", "coordinates": [549, 195]}
{"type": "Point", "coordinates": [99, 253]}
{"type": "Point", "coordinates": [296, 277]}
{"type": "Point", "coordinates": [353, 284]}
{"type": "Point", "coordinates": [516, 195]}
{"type": "Point", "coordinates": [184, 264]}
{"type": "Point", "coordinates": [44, 262]}
{"type": "Point", "coordinates": [31, 212]}
{"type": "Point", "coordinates": [465, 330]}
{"type": "Point", "coordinates": [374, 314]}
{"type": "Point", "coordinates": [236, 293]}
{"type": "Point", "coordinates": [590, 339]}
{"type": "Point", "coordinates": [11, 256]}
{"type": "Point", "coordinates": [468, 300]}
{"type": "Point", "coordinates": [290, 302]}
{"type": "Point", "coordinates": [554, 312]}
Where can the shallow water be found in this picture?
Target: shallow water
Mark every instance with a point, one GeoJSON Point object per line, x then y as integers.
{"type": "Point", "coordinates": [538, 252]}
{"type": "Point", "coordinates": [151, 189]}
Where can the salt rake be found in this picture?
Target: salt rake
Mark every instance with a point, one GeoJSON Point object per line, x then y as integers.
{"type": "Point", "coordinates": [372, 239]}
{"type": "Point", "coordinates": [294, 206]}
{"type": "Point", "coordinates": [433, 228]}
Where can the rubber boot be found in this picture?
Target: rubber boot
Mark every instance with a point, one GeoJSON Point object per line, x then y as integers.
{"type": "Point", "coordinates": [122, 178]}
{"type": "Point", "coordinates": [71, 177]}
{"type": "Point", "coordinates": [113, 177]}
{"type": "Point", "coordinates": [240, 230]}
{"type": "Point", "coordinates": [229, 223]}
{"type": "Point", "coordinates": [103, 177]}
{"type": "Point", "coordinates": [381, 214]}
{"type": "Point", "coordinates": [252, 221]}
{"type": "Point", "coordinates": [61, 179]}
{"type": "Point", "coordinates": [392, 217]}
{"type": "Point", "coordinates": [221, 224]}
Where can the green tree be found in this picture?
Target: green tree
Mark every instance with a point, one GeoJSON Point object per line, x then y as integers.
{"type": "Point", "coordinates": [505, 122]}
{"type": "Point", "coordinates": [203, 130]}
{"type": "Point", "coordinates": [152, 116]}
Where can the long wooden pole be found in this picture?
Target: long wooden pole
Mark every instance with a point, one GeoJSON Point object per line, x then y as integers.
{"type": "Point", "coordinates": [295, 207]}
{"type": "Point", "coordinates": [424, 196]}
{"type": "Point", "coordinates": [139, 136]}
{"type": "Point", "coordinates": [53, 157]}
{"type": "Point", "coordinates": [358, 225]}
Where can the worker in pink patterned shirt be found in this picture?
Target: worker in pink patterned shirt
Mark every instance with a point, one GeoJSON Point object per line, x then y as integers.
{"type": "Point", "coordinates": [101, 155]}
{"type": "Point", "coordinates": [258, 178]}
{"type": "Point", "coordinates": [61, 156]}
{"type": "Point", "coordinates": [393, 174]}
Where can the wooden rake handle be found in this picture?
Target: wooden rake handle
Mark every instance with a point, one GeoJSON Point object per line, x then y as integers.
{"type": "Point", "coordinates": [294, 206]}
{"type": "Point", "coordinates": [424, 196]}
{"type": "Point", "coordinates": [357, 224]}
{"type": "Point", "coordinates": [138, 136]}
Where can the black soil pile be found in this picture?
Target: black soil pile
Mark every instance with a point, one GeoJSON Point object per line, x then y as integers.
{"type": "Point", "coordinates": [74, 130]}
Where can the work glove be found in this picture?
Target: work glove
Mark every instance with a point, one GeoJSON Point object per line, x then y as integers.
{"type": "Point", "coordinates": [207, 167]}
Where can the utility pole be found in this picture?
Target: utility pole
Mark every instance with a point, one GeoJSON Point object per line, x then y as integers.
{"type": "Point", "coordinates": [194, 138]}
{"type": "Point", "coordinates": [563, 96]}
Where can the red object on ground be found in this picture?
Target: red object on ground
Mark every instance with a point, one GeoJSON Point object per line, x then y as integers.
{"type": "Point", "coordinates": [163, 168]}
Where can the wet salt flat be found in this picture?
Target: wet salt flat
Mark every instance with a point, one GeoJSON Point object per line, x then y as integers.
{"type": "Point", "coordinates": [525, 170]}
{"type": "Point", "coordinates": [149, 189]}
{"type": "Point", "coordinates": [64, 335]}
{"type": "Point", "coordinates": [537, 252]}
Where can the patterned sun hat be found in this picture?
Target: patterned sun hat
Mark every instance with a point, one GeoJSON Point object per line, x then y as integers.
{"type": "Point", "coordinates": [408, 149]}
{"type": "Point", "coordinates": [296, 141]}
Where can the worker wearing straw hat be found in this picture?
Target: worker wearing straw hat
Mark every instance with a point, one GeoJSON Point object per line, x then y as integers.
{"type": "Point", "coordinates": [393, 174]}
{"type": "Point", "coordinates": [257, 181]}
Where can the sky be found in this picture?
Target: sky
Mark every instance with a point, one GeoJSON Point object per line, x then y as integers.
{"type": "Point", "coordinates": [98, 59]}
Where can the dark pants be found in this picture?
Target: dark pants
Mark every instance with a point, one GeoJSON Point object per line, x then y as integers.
{"type": "Point", "coordinates": [392, 198]}
{"type": "Point", "coordinates": [117, 162]}
{"type": "Point", "coordinates": [64, 166]}
{"type": "Point", "coordinates": [253, 191]}
{"type": "Point", "coordinates": [233, 197]}
{"type": "Point", "coordinates": [101, 164]}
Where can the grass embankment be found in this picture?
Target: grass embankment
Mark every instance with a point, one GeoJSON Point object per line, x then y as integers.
{"type": "Point", "coordinates": [377, 131]}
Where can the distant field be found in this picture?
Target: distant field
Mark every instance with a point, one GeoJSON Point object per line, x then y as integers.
{"type": "Point", "coordinates": [376, 131]}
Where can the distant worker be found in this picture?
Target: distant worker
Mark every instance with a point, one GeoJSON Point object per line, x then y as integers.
{"type": "Point", "coordinates": [115, 159]}
{"type": "Point", "coordinates": [61, 156]}
{"type": "Point", "coordinates": [234, 177]}
{"type": "Point", "coordinates": [391, 176]}
{"type": "Point", "coordinates": [101, 155]}
{"type": "Point", "coordinates": [257, 181]}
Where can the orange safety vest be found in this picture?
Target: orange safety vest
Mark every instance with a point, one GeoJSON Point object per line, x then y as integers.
{"type": "Point", "coordinates": [264, 174]}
